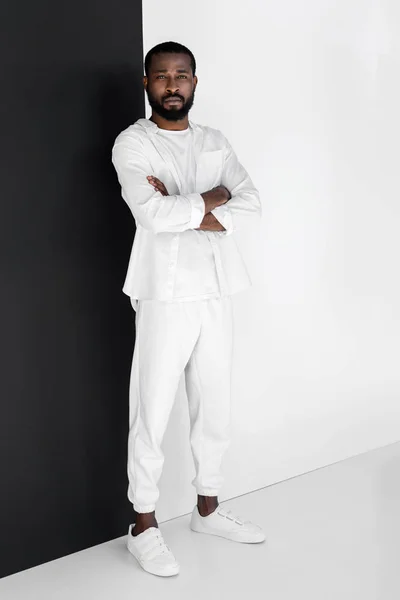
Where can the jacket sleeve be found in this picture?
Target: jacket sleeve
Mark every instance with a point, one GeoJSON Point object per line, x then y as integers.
{"type": "Point", "coordinates": [149, 207]}
{"type": "Point", "coordinates": [244, 207]}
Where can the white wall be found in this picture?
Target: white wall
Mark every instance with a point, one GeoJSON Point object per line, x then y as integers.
{"type": "Point", "coordinates": [308, 94]}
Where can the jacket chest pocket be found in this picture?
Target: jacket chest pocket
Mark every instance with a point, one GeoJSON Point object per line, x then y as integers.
{"type": "Point", "coordinates": [209, 170]}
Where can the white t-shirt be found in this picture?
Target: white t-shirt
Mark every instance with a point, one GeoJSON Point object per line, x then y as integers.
{"type": "Point", "coordinates": [196, 273]}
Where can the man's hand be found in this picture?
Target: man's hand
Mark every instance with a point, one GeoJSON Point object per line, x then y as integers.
{"type": "Point", "coordinates": [158, 185]}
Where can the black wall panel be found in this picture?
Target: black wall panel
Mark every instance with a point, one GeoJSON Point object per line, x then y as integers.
{"type": "Point", "coordinates": [71, 80]}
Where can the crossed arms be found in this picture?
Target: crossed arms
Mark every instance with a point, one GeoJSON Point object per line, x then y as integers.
{"type": "Point", "coordinates": [215, 210]}
{"type": "Point", "coordinates": [213, 198]}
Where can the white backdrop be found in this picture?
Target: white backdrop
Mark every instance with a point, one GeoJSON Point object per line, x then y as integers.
{"type": "Point", "coordinates": [308, 94]}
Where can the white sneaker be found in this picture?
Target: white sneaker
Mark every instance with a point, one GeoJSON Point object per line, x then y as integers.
{"type": "Point", "coordinates": [224, 524]}
{"type": "Point", "coordinates": [151, 552]}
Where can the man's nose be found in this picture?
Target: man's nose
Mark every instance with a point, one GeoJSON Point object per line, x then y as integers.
{"type": "Point", "coordinates": [173, 89]}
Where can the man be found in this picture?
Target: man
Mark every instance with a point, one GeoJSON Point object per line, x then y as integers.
{"type": "Point", "coordinates": [188, 193]}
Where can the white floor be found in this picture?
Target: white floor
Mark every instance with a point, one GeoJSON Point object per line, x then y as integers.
{"type": "Point", "coordinates": [332, 534]}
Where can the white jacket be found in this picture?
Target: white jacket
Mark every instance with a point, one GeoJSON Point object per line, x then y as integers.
{"type": "Point", "coordinates": [159, 219]}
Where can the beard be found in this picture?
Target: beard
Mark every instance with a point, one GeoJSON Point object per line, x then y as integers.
{"type": "Point", "coordinates": [171, 113]}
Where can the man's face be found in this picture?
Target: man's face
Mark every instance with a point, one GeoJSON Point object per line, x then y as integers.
{"type": "Point", "coordinates": [170, 76]}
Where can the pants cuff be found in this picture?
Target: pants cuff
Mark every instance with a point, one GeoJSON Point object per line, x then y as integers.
{"type": "Point", "coordinates": [144, 509]}
{"type": "Point", "coordinates": [207, 492]}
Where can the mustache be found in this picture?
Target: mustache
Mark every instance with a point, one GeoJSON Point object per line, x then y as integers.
{"type": "Point", "coordinates": [173, 98]}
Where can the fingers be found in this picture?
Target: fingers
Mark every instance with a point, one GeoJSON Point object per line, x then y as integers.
{"type": "Point", "coordinates": [157, 184]}
{"type": "Point", "coordinates": [154, 182]}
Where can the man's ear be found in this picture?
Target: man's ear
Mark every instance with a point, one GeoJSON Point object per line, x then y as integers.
{"type": "Point", "coordinates": [145, 81]}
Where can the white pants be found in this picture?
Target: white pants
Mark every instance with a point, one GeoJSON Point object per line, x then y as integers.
{"type": "Point", "coordinates": [172, 337]}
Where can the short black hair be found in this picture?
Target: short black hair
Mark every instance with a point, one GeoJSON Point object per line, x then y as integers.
{"type": "Point", "coordinates": [172, 47]}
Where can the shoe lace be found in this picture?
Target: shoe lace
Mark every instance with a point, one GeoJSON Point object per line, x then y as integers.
{"type": "Point", "coordinates": [228, 514]}
{"type": "Point", "coordinates": [164, 548]}
{"type": "Point", "coordinates": [158, 547]}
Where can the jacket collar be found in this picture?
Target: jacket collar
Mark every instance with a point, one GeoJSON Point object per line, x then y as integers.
{"type": "Point", "coordinates": [150, 126]}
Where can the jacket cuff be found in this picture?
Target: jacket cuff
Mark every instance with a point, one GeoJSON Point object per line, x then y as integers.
{"type": "Point", "coordinates": [224, 216]}
{"type": "Point", "coordinates": [198, 210]}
